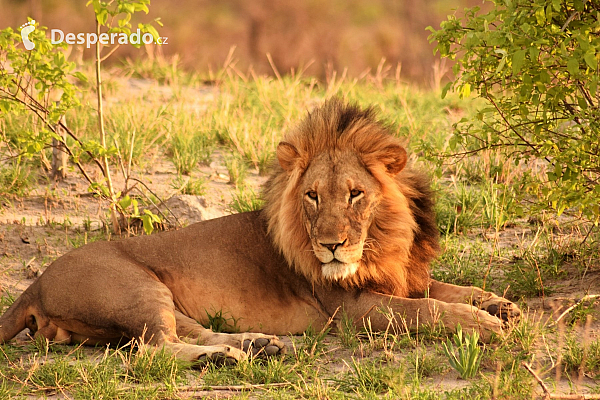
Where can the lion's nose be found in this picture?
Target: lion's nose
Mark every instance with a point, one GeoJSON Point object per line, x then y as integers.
{"type": "Point", "coordinates": [332, 246]}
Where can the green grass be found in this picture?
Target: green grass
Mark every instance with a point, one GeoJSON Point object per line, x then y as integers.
{"type": "Point", "coordinates": [124, 373]}
{"type": "Point", "coordinates": [245, 199]}
{"type": "Point", "coordinates": [237, 168]}
{"type": "Point", "coordinates": [189, 185]}
{"type": "Point", "coordinates": [16, 179]}
{"type": "Point", "coordinates": [371, 378]}
{"type": "Point", "coordinates": [463, 353]}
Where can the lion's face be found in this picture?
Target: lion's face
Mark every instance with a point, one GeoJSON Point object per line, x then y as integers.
{"type": "Point", "coordinates": [340, 207]}
{"type": "Point", "coordinates": [339, 197]}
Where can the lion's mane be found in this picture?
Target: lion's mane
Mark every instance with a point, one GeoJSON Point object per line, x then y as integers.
{"type": "Point", "coordinates": [403, 236]}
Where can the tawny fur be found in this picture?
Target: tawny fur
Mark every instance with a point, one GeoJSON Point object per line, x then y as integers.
{"type": "Point", "coordinates": [403, 238]}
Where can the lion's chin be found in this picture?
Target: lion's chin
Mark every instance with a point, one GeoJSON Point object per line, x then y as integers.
{"type": "Point", "coordinates": [336, 270]}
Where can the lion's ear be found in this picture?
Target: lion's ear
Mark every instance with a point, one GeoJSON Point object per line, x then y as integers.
{"type": "Point", "coordinates": [287, 155]}
{"type": "Point", "coordinates": [394, 158]}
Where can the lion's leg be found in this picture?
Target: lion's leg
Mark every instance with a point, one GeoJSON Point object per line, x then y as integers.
{"type": "Point", "coordinates": [105, 305]}
{"type": "Point", "coordinates": [191, 331]}
{"type": "Point", "coordinates": [380, 311]}
{"type": "Point", "coordinates": [488, 301]}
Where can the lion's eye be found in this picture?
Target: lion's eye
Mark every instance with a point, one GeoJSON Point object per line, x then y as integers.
{"type": "Point", "coordinates": [312, 195]}
{"type": "Point", "coordinates": [355, 193]}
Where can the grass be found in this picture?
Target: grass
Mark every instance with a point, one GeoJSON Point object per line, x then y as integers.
{"type": "Point", "coordinates": [237, 170]}
{"type": "Point", "coordinates": [188, 151]}
{"type": "Point", "coordinates": [108, 373]}
{"type": "Point", "coordinates": [487, 236]}
{"type": "Point", "coordinates": [370, 378]}
{"type": "Point", "coordinates": [245, 199]}
{"type": "Point", "coordinates": [466, 356]}
{"type": "Point", "coordinates": [189, 185]}
{"type": "Point", "coordinates": [16, 179]}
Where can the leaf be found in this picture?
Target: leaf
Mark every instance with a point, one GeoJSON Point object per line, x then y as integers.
{"type": "Point", "coordinates": [465, 90]}
{"type": "Point", "coordinates": [517, 61]}
{"type": "Point", "coordinates": [152, 30]}
{"type": "Point", "coordinates": [125, 202]}
{"type": "Point", "coordinates": [102, 16]}
{"type": "Point", "coordinates": [445, 89]}
{"type": "Point", "coordinates": [573, 66]}
{"type": "Point", "coordinates": [80, 75]}
{"type": "Point", "coordinates": [594, 85]}
{"type": "Point", "coordinates": [591, 60]}
{"type": "Point", "coordinates": [501, 65]}
{"type": "Point", "coordinates": [147, 222]}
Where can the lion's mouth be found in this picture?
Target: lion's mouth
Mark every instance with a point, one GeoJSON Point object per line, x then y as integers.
{"type": "Point", "coordinates": [337, 270]}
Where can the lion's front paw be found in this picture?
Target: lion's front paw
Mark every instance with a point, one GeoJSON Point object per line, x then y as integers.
{"type": "Point", "coordinates": [472, 319]}
{"type": "Point", "coordinates": [485, 324]}
{"type": "Point", "coordinates": [219, 355]}
{"type": "Point", "coordinates": [488, 325]}
{"type": "Point", "coordinates": [500, 307]}
{"type": "Point", "coordinates": [263, 345]}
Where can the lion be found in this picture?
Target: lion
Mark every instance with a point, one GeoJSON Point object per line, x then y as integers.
{"type": "Point", "coordinates": [346, 226]}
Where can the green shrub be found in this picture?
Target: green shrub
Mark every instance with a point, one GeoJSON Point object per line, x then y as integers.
{"type": "Point", "coordinates": [535, 63]}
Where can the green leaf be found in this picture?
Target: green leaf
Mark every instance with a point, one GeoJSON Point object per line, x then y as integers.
{"type": "Point", "coordinates": [147, 222]}
{"type": "Point", "coordinates": [517, 60]}
{"type": "Point", "coordinates": [81, 76]}
{"type": "Point", "coordinates": [573, 66]}
{"type": "Point", "coordinates": [445, 89]}
{"type": "Point", "coordinates": [591, 60]}
{"type": "Point", "coordinates": [125, 202]}
{"type": "Point", "coordinates": [594, 85]}
{"type": "Point", "coordinates": [465, 90]}
{"type": "Point", "coordinates": [102, 16]}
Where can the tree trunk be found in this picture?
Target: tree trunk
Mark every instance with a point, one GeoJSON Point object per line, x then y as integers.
{"type": "Point", "coordinates": [59, 156]}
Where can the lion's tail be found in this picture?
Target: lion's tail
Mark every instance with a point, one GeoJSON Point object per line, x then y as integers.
{"type": "Point", "coordinates": [14, 319]}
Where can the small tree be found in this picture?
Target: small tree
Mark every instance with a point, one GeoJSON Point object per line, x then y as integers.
{"type": "Point", "coordinates": [535, 62]}
{"type": "Point", "coordinates": [30, 79]}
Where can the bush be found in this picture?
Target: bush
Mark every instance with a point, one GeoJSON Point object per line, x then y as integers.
{"type": "Point", "coordinates": [535, 63]}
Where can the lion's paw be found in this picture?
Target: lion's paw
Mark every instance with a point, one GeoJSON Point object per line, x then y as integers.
{"type": "Point", "coordinates": [499, 307]}
{"type": "Point", "coordinates": [487, 325]}
{"type": "Point", "coordinates": [263, 345]}
{"type": "Point", "coordinates": [472, 319]}
{"type": "Point", "coordinates": [219, 355]}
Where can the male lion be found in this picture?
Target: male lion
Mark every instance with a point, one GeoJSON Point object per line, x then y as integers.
{"type": "Point", "coordinates": [345, 226]}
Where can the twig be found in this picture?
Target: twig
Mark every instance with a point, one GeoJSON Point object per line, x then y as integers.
{"type": "Point", "coordinates": [115, 48]}
{"type": "Point", "coordinates": [161, 202]}
{"type": "Point", "coordinates": [107, 175]}
{"type": "Point", "coordinates": [231, 388]}
{"type": "Point", "coordinates": [578, 302]}
{"type": "Point", "coordinates": [275, 71]}
{"type": "Point", "coordinates": [538, 380]}
{"type": "Point", "coordinates": [243, 387]}
{"type": "Point", "coordinates": [558, 396]}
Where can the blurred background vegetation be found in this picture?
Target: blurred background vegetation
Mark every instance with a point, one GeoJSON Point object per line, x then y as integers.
{"type": "Point", "coordinates": [326, 36]}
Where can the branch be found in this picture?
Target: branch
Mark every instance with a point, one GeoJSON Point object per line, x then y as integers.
{"type": "Point", "coordinates": [578, 302]}
{"type": "Point", "coordinates": [547, 395]}
{"type": "Point", "coordinates": [538, 380]}
{"type": "Point", "coordinates": [41, 108]}
{"type": "Point", "coordinates": [161, 202]}
{"type": "Point", "coordinates": [491, 100]}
